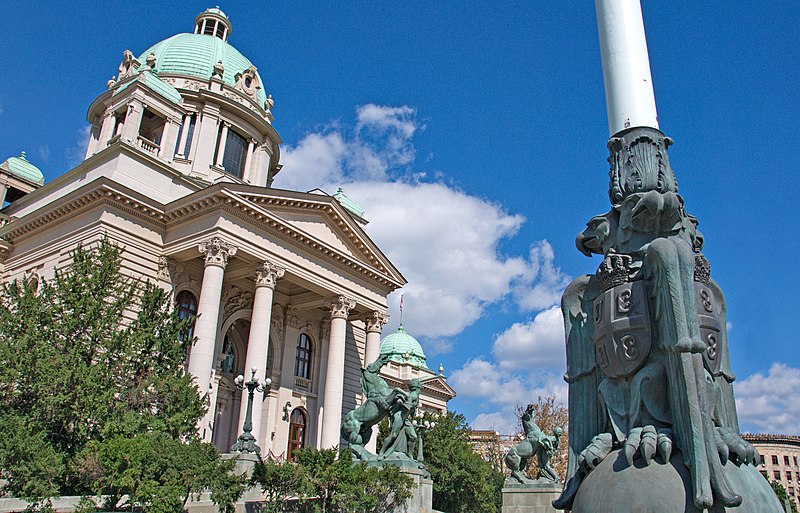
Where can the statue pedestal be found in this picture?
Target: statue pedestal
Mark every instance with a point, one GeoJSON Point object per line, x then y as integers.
{"type": "Point", "coordinates": [421, 500]}
{"type": "Point", "coordinates": [534, 497]}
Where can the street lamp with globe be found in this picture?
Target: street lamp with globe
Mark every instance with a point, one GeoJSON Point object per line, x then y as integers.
{"type": "Point", "coordinates": [246, 441]}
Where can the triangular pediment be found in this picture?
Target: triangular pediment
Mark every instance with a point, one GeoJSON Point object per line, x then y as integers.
{"type": "Point", "coordinates": [321, 219]}
{"type": "Point", "coordinates": [315, 224]}
{"type": "Point", "coordinates": [439, 385]}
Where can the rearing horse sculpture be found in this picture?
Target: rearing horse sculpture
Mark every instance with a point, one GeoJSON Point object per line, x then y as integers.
{"type": "Point", "coordinates": [357, 424]}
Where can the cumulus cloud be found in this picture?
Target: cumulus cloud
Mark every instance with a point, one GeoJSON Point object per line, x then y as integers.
{"type": "Point", "coordinates": [768, 403]}
{"type": "Point", "coordinates": [499, 391]}
{"type": "Point", "coordinates": [443, 240]}
{"type": "Point", "coordinates": [545, 282]}
{"type": "Point", "coordinates": [380, 141]}
{"type": "Point", "coordinates": [445, 243]}
{"type": "Point", "coordinates": [538, 343]}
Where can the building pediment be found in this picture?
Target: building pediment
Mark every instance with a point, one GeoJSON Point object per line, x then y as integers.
{"type": "Point", "coordinates": [438, 385]}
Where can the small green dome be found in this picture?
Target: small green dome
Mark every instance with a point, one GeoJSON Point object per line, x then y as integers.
{"type": "Point", "coordinates": [196, 54]}
{"type": "Point", "coordinates": [21, 168]}
{"type": "Point", "coordinates": [403, 348]}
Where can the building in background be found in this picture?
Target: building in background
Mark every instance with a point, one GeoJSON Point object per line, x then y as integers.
{"type": "Point", "coordinates": [178, 172]}
{"type": "Point", "coordinates": [780, 460]}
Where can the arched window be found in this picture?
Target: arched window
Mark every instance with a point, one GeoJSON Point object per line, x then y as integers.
{"type": "Point", "coordinates": [302, 362]}
{"type": "Point", "coordinates": [187, 307]}
{"type": "Point", "coordinates": [297, 432]}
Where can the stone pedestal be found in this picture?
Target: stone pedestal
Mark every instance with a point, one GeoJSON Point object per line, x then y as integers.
{"type": "Point", "coordinates": [421, 500]}
{"type": "Point", "coordinates": [534, 497]}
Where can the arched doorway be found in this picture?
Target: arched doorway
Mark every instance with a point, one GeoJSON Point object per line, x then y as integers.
{"type": "Point", "coordinates": [231, 360]}
{"type": "Point", "coordinates": [297, 431]}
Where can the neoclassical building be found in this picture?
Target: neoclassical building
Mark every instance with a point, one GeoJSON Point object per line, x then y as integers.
{"type": "Point", "coordinates": [179, 172]}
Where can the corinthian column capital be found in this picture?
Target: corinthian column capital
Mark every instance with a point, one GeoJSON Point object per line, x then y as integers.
{"type": "Point", "coordinates": [340, 306]}
{"type": "Point", "coordinates": [267, 274]}
{"type": "Point", "coordinates": [374, 321]}
{"type": "Point", "coordinates": [217, 251]}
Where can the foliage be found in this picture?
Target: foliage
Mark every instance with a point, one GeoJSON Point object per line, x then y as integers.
{"type": "Point", "coordinates": [462, 481]}
{"type": "Point", "coordinates": [157, 472]}
{"type": "Point", "coordinates": [780, 491]}
{"type": "Point", "coordinates": [280, 483]}
{"type": "Point", "coordinates": [92, 380]}
{"type": "Point", "coordinates": [549, 415]}
{"type": "Point", "coordinates": [326, 483]}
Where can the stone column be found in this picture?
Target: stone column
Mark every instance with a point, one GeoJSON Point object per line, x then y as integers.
{"type": "Point", "coordinates": [334, 375]}
{"type": "Point", "coordinates": [246, 174]}
{"type": "Point", "coordinates": [223, 139]}
{"type": "Point", "coordinates": [201, 357]}
{"type": "Point", "coordinates": [267, 275]}
{"type": "Point", "coordinates": [130, 130]}
{"type": "Point", "coordinates": [187, 120]}
{"type": "Point", "coordinates": [106, 131]}
{"type": "Point", "coordinates": [3, 192]}
{"type": "Point", "coordinates": [374, 324]}
{"type": "Point", "coordinates": [168, 139]}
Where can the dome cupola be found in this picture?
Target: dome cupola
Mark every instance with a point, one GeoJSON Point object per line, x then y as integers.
{"type": "Point", "coordinates": [403, 348]}
{"type": "Point", "coordinates": [213, 22]}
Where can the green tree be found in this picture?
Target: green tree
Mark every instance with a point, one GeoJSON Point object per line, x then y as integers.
{"type": "Point", "coordinates": [91, 361]}
{"type": "Point", "coordinates": [280, 483]}
{"type": "Point", "coordinates": [327, 482]}
{"type": "Point", "coordinates": [462, 481]}
{"type": "Point", "coordinates": [780, 491]}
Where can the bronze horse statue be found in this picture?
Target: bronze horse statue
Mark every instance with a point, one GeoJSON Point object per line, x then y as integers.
{"type": "Point", "coordinates": [357, 424]}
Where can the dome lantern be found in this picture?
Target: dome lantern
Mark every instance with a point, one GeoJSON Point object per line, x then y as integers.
{"type": "Point", "coordinates": [213, 22]}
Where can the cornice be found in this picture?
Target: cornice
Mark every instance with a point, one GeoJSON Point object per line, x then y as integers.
{"type": "Point", "coordinates": [97, 192]}
{"type": "Point", "coordinates": [106, 191]}
{"type": "Point", "coordinates": [244, 208]}
{"type": "Point", "coordinates": [772, 439]}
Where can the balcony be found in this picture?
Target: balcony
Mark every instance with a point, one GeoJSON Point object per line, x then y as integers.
{"type": "Point", "coordinates": [148, 145]}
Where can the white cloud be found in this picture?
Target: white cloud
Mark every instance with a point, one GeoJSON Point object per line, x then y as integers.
{"type": "Point", "coordinates": [43, 152]}
{"type": "Point", "coordinates": [444, 241]}
{"type": "Point", "coordinates": [538, 343]}
{"type": "Point", "coordinates": [545, 282]}
{"type": "Point", "coordinates": [77, 153]}
{"type": "Point", "coordinates": [500, 391]}
{"type": "Point", "coordinates": [768, 403]}
{"type": "Point", "coordinates": [381, 141]}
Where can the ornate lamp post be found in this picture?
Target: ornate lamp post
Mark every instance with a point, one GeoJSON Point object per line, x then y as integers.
{"type": "Point", "coordinates": [246, 441]}
{"type": "Point", "coordinates": [421, 427]}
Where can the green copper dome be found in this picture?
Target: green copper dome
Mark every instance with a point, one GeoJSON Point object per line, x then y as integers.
{"type": "Point", "coordinates": [21, 168]}
{"type": "Point", "coordinates": [196, 54]}
{"type": "Point", "coordinates": [403, 348]}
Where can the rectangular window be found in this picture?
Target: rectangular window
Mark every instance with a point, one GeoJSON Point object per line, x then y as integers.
{"type": "Point", "coordinates": [795, 461]}
{"type": "Point", "coordinates": [786, 460]}
{"type": "Point", "coordinates": [235, 154]}
{"type": "Point", "coordinates": [763, 461]}
{"type": "Point", "coordinates": [777, 475]}
{"type": "Point", "coordinates": [774, 459]}
{"type": "Point", "coordinates": [788, 476]}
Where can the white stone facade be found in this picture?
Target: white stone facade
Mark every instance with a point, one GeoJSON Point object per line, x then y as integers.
{"type": "Point", "coordinates": [285, 282]}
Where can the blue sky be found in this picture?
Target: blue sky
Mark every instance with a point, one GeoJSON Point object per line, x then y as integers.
{"type": "Point", "coordinates": [474, 136]}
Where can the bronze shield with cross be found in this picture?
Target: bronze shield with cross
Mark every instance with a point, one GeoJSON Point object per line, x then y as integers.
{"type": "Point", "coordinates": [622, 334]}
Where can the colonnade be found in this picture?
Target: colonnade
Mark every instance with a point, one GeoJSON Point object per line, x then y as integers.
{"type": "Point", "coordinates": [201, 359]}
